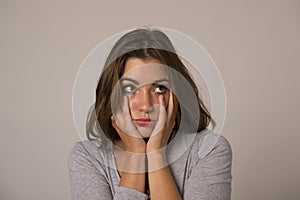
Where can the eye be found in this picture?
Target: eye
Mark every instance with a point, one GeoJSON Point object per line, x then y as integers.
{"type": "Point", "coordinates": [128, 88]}
{"type": "Point", "coordinates": [160, 89]}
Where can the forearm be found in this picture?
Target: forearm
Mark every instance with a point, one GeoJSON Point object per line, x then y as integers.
{"type": "Point", "coordinates": [133, 180]}
{"type": "Point", "coordinates": [131, 168]}
{"type": "Point", "coordinates": [161, 181]}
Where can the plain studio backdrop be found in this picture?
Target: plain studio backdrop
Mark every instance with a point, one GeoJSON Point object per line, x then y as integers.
{"type": "Point", "coordinates": [255, 45]}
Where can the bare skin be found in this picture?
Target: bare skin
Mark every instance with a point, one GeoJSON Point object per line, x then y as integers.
{"type": "Point", "coordinates": [131, 162]}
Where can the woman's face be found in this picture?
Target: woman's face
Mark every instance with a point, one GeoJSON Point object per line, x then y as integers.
{"type": "Point", "coordinates": [143, 82]}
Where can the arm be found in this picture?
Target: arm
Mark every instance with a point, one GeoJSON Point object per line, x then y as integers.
{"type": "Point", "coordinates": [131, 168]}
{"type": "Point", "coordinates": [86, 181]}
{"type": "Point", "coordinates": [90, 182]}
{"type": "Point", "coordinates": [131, 159]}
{"type": "Point", "coordinates": [210, 178]}
{"type": "Point", "coordinates": [161, 181]}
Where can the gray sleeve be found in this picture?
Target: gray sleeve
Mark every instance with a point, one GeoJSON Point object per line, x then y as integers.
{"type": "Point", "coordinates": [89, 182]}
{"type": "Point", "coordinates": [210, 178]}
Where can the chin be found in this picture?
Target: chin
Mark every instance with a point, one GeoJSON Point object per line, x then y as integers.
{"type": "Point", "coordinates": [145, 131]}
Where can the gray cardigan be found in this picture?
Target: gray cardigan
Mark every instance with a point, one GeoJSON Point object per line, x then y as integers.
{"type": "Point", "coordinates": [201, 169]}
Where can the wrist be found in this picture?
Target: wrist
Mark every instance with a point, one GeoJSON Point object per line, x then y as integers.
{"type": "Point", "coordinates": [151, 148]}
{"type": "Point", "coordinates": [157, 159]}
{"type": "Point", "coordinates": [130, 162]}
{"type": "Point", "coordinates": [141, 150]}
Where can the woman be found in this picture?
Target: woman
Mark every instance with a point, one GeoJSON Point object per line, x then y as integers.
{"type": "Point", "coordinates": [148, 138]}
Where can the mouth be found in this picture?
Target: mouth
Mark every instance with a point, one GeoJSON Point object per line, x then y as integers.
{"type": "Point", "coordinates": [143, 122]}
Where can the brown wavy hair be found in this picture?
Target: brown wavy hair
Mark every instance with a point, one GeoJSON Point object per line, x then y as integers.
{"type": "Point", "coordinates": [145, 44]}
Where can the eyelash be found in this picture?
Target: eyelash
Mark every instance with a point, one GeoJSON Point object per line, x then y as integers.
{"type": "Point", "coordinates": [162, 89]}
{"type": "Point", "coordinates": [125, 88]}
{"type": "Point", "coordinates": [128, 89]}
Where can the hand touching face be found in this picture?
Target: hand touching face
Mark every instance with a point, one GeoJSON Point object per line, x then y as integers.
{"type": "Point", "coordinates": [143, 82]}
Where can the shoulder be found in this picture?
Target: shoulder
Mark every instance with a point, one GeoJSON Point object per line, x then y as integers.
{"type": "Point", "coordinates": [208, 144]}
{"type": "Point", "coordinates": [84, 147]}
{"type": "Point", "coordinates": [209, 172]}
{"type": "Point", "coordinates": [84, 153]}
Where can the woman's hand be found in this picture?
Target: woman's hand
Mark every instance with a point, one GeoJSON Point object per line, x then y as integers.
{"type": "Point", "coordinates": [132, 139]}
{"type": "Point", "coordinates": [164, 126]}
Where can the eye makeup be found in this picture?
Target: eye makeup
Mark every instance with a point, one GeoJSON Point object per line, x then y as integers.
{"type": "Point", "coordinates": [129, 86]}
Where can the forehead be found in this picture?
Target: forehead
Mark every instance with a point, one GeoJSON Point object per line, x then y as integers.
{"type": "Point", "coordinates": [144, 71]}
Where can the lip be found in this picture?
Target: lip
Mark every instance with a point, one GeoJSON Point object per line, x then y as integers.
{"type": "Point", "coordinates": [143, 121]}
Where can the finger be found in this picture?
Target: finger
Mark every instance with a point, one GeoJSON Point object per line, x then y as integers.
{"type": "Point", "coordinates": [161, 104]}
{"type": "Point", "coordinates": [125, 107]}
{"type": "Point", "coordinates": [170, 107]}
{"type": "Point", "coordinates": [118, 129]}
{"type": "Point", "coordinates": [118, 119]}
{"type": "Point", "coordinates": [162, 109]}
{"type": "Point", "coordinates": [114, 124]}
{"type": "Point", "coordinates": [126, 112]}
{"type": "Point", "coordinates": [161, 117]}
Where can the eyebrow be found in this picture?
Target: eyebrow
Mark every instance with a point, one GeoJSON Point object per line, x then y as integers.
{"type": "Point", "coordinates": [161, 80]}
{"type": "Point", "coordinates": [137, 83]}
{"type": "Point", "coordinates": [129, 79]}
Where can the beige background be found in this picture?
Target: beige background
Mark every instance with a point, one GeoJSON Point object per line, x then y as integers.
{"type": "Point", "coordinates": [255, 44]}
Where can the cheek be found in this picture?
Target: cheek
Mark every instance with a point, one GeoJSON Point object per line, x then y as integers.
{"type": "Point", "coordinates": [133, 103]}
{"type": "Point", "coordinates": [155, 99]}
{"type": "Point", "coordinates": [166, 97]}
{"type": "Point", "coordinates": [131, 106]}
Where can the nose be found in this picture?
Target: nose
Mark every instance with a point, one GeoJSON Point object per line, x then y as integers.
{"type": "Point", "coordinates": [143, 100]}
